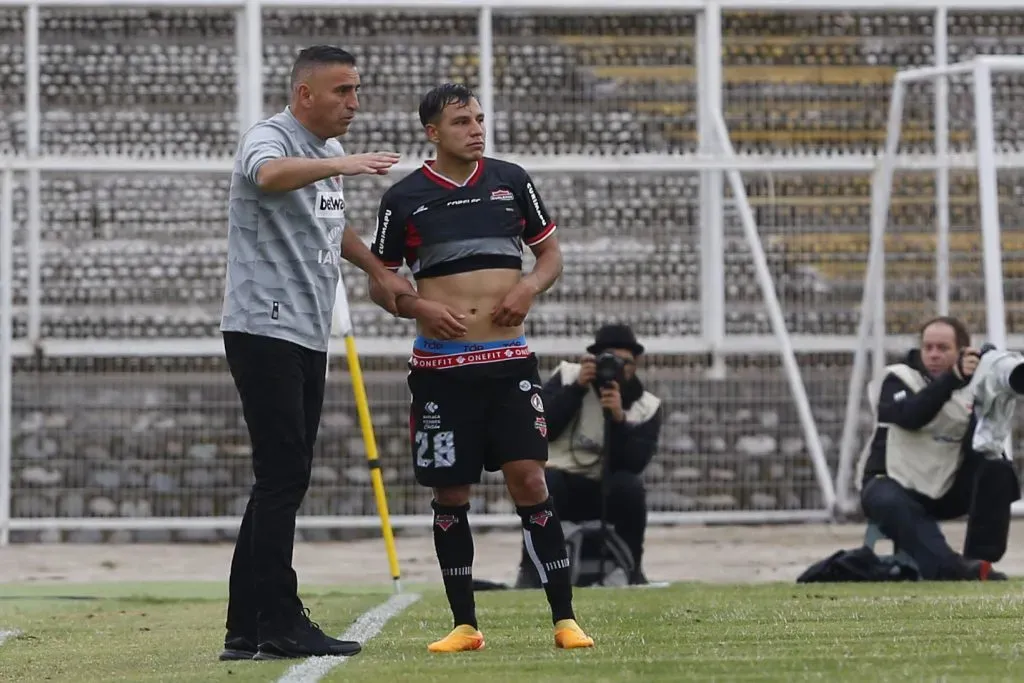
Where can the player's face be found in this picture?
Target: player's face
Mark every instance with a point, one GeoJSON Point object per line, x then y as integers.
{"type": "Point", "coordinates": [938, 348]}
{"type": "Point", "coordinates": [331, 98]}
{"type": "Point", "coordinates": [460, 131]}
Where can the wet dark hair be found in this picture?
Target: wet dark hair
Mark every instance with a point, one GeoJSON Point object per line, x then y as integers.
{"type": "Point", "coordinates": [434, 102]}
{"type": "Point", "coordinates": [319, 55]}
{"type": "Point", "coordinates": [963, 337]}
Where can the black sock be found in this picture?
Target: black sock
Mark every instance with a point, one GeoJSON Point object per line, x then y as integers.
{"type": "Point", "coordinates": [545, 546]}
{"type": "Point", "coordinates": [453, 542]}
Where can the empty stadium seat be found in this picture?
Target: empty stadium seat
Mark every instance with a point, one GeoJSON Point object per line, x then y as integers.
{"type": "Point", "coordinates": [141, 256]}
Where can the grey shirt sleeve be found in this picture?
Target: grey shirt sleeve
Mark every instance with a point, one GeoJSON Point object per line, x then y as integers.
{"type": "Point", "coordinates": [262, 143]}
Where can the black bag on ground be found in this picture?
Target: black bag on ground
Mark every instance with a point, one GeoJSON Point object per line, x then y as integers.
{"type": "Point", "coordinates": [860, 564]}
{"type": "Point", "coordinates": [585, 544]}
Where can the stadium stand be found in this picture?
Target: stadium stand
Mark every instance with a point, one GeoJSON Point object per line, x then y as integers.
{"type": "Point", "coordinates": [141, 257]}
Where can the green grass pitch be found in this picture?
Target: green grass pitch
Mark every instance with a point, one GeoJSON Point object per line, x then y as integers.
{"type": "Point", "coordinates": [686, 632]}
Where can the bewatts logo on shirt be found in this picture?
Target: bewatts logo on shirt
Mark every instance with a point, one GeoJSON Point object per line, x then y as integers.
{"type": "Point", "coordinates": [329, 205]}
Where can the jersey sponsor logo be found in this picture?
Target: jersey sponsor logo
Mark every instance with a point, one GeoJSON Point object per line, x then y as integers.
{"type": "Point", "coordinates": [382, 231]}
{"type": "Point", "coordinates": [462, 359]}
{"type": "Point", "coordinates": [332, 255]}
{"type": "Point", "coordinates": [525, 385]}
{"type": "Point", "coordinates": [536, 203]}
{"type": "Point", "coordinates": [329, 205]}
{"type": "Point", "coordinates": [501, 195]}
{"type": "Point", "coordinates": [463, 202]}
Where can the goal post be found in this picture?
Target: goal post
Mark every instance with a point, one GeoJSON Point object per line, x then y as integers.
{"type": "Point", "coordinates": [871, 333]}
{"type": "Point", "coordinates": [766, 282]}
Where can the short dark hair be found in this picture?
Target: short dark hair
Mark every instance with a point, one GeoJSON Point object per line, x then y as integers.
{"type": "Point", "coordinates": [319, 55]}
{"type": "Point", "coordinates": [963, 337]}
{"type": "Point", "coordinates": [434, 102]}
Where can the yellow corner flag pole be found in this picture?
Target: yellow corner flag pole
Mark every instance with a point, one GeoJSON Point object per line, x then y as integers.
{"type": "Point", "coordinates": [342, 326]}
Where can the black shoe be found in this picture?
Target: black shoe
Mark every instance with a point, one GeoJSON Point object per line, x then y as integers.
{"type": "Point", "coordinates": [238, 648]}
{"type": "Point", "coordinates": [301, 637]}
{"type": "Point", "coordinates": [987, 573]}
{"type": "Point", "coordinates": [982, 570]}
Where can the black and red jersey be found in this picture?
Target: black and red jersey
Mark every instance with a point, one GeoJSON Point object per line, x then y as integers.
{"type": "Point", "coordinates": [439, 227]}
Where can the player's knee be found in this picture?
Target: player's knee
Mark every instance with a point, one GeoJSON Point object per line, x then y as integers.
{"type": "Point", "coordinates": [882, 498]}
{"type": "Point", "coordinates": [452, 496]}
{"type": "Point", "coordinates": [285, 475]}
{"type": "Point", "coordinates": [525, 481]}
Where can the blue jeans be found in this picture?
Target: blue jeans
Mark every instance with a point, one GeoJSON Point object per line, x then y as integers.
{"type": "Point", "coordinates": [983, 490]}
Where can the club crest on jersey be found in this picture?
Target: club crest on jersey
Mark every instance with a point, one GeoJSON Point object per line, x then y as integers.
{"type": "Point", "coordinates": [501, 195]}
{"type": "Point", "coordinates": [446, 522]}
{"type": "Point", "coordinates": [329, 205]}
{"type": "Point", "coordinates": [540, 518]}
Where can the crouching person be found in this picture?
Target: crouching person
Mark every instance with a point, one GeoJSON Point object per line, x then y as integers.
{"type": "Point", "coordinates": [920, 469]}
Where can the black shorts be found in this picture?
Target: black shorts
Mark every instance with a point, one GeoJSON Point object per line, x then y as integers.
{"type": "Point", "coordinates": [464, 420]}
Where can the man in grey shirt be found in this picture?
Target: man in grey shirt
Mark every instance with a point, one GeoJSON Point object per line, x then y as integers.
{"type": "Point", "coordinates": [286, 236]}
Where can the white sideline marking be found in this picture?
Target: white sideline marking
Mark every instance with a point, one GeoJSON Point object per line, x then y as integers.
{"type": "Point", "coordinates": [5, 634]}
{"type": "Point", "coordinates": [366, 627]}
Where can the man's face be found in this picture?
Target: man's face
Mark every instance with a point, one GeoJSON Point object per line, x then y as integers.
{"type": "Point", "coordinates": [625, 354]}
{"type": "Point", "coordinates": [459, 131]}
{"type": "Point", "coordinates": [938, 348]}
{"type": "Point", "coordinates": [330, 96]}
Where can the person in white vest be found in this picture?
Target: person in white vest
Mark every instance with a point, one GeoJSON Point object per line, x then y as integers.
{"type": "Point", "coordinates": [919, 468]}
{"type": "Point", "coordinates": [576, 407]}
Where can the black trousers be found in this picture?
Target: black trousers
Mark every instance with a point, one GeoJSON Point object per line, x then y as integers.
{"type": "Point", "coordinates": [578, 499]}
{"type": "Point", "coordinates": [281, 386]}
{"type": "Point", "coordinates": [983, 490]}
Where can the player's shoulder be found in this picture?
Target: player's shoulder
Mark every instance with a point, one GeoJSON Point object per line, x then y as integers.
{"type": "Point", "coordinates": [504, 169]}
{"type": "Point", "coordinates": [411, 183]}
{"type": "Point", "coordinates": [273, 127]}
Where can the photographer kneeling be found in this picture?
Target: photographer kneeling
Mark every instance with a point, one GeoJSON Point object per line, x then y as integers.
{"type": "Point", "coordinates": [920, 467]}
{"type": "Point", "coordinates": [578, 399]}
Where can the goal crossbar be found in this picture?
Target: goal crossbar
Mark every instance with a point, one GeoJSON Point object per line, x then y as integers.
{"type": "Point", "coordinates": [872, 310]}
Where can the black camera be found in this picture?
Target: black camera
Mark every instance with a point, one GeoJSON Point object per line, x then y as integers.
{"type": "Point", "coordinates": [610, 368]}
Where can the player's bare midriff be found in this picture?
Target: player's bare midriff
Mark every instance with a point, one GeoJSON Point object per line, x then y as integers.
{"type": "Point", "coordinates": [475, 294]}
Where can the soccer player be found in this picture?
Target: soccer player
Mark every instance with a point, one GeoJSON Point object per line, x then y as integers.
{"type": "Point", "coordinates": [460, 223]}
{"type": "Point", "coordinates": [286, 236]}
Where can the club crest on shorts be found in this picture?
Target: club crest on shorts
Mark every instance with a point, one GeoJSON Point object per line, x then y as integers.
{"type": "Point", "coordinates": [525, 385]}
{"type": "Point", "coordinates": [541, 425]}
{"type": "Point", "coordinates": [540, 518]}
{"type": "Point", "coordinates": [537, 403]}
{"type": "Point", "coordinates": [446, 521]}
